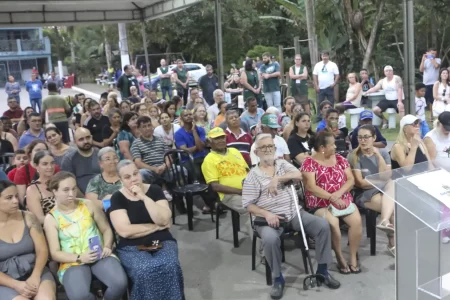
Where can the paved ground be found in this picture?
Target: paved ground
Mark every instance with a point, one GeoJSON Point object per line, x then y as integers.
{"type": "Point", "coordinates": [214, 270]}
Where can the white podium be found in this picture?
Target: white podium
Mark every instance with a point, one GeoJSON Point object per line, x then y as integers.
{"type": "Point", "coordinates": [422, 260]}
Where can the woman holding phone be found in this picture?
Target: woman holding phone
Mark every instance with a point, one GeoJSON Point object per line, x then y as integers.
{"type": "Point", "coordinates": [80, 239]}
{"type": "Point", "coordinates": [140, 214]}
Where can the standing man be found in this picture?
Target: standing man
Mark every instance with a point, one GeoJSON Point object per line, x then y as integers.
{"type": "Point", "coordinates": [326, 76]}
{"type": "Point", "coordinates": [270, 73]}
{"type": "Point", "coordinates": [56, 80]}
{"type": "Point", "coordinates": [57, 109]}
{"type": "Point", "coordinates": [95, 123]}
{"type": "Point", "coordinates": [126, 81]}
{"type": "Point", "coordinates": [12, 88]}
{"type": "Point", "coordinates": [34, 89]}
{"type": "Point", "coordinates": [429, 66]}
{"type": "Point", "coordinates": [209, 83]}
{"type": "Point", "coordinates": [165, 82]}
{"type": "Point", "coordinates": [36, 132]}
{"type": "Point", "coordinates": [298, 74]}
{"type": "Point", "coordinates": [181, 76]}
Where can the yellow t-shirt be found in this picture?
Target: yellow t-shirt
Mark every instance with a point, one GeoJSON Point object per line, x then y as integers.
{"type": "Point", "coordinates": [229, 169]}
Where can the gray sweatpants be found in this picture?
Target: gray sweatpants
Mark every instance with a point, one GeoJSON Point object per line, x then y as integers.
{"type": "Point", "coordinates": [77, 279]}
{"type": "Point", "coordinates": [315, 227]}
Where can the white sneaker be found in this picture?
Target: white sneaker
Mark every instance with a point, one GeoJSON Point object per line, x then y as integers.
{"type": "Point", "coordinates": [168, 195]}
{"type": "Point", "coordinates": [445, 240]}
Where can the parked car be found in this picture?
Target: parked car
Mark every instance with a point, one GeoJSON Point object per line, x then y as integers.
{"type": "Point", "coordinates": [195, 71]}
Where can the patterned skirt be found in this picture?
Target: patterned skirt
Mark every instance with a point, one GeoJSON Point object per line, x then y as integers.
{"type": "Point", "coordinates": [154, 276]}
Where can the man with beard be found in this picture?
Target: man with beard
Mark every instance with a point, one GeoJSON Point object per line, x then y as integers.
{"type": "Point", "coordinates": [270, 73]}
{"type": "Point", "coordinates": [96, 122]}
{"type": "Point", "coordinates": [208, 83]}
{"type": "Point", "coordinates": [14, 112]}
{"type": "Point", "coordinates": [36, 132]}
{"type": "Point", "coordinates": [225, 169]}
{"type": "Point", "coordinates": [264, 195]}
{"type": "Point", "coordinates": [82, 162]}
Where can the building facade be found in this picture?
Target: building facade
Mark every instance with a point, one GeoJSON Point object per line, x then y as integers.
{"type": "Point", "coordinates": [21, 49]}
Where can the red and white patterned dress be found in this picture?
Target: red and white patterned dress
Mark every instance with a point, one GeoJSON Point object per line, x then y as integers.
{"type": "Point", "coordinates": [329, 179]}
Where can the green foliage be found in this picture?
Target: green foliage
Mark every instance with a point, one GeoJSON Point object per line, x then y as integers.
{"type": "Point", "coordinates": [258, 50]}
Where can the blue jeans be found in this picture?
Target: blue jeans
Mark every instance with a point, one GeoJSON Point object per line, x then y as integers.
{"type": "Point", "coordinates": [273, 99]}
{"type": "Point", "coordinates": [36, 103]}
{"type": "Point", "coordinates": [167, 90]}
{"type": "Point", "coordinates": [329, 94]}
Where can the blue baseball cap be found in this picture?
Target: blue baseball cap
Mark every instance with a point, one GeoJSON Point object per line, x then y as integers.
{"type": "Point", "coordinates": [367, 114]}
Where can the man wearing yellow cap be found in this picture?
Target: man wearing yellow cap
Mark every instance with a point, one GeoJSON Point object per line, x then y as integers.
{"type": "Point", "coordinates": [225, 169]}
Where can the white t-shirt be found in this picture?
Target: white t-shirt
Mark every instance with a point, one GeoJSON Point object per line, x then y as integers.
{"type": "Point", "coordinates": [420, 108]}
{"type": "Point", "coordinates": [167, 137]}
{"type": "Point", "coordinates": [390, 87]}
{"type": "Point", "coordinates": [282, 149]}
{"type": "Point", "coordinates": [213, 112]}
{"type": "Point", "coordinates": [442, 142]}
{"type": "Point", "coordinates": [325, 73]}
{"type": "Point", "coordinates": [342, 122]}
{"type": "Point", "coordinates": [430, 73]}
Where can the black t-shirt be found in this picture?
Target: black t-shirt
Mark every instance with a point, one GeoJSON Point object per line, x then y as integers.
{"type": "Point", "coordinates": [298, 145]}
{"type": "Point", "coordinates": [106, 134]}
{"type": "Point", "coordinates": [77, 118]}
{"type": "Point", "coordinates": [138, 214]}
{"type": "Point", "coordinates": [96, 127]}
{"type": "Point", "coordinates": [134, 100]}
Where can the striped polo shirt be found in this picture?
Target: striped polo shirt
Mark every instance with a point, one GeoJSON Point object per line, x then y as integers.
{"type": "Point", "coordinates": [242, 143]}
{"type": "Point", "coordinates": [150, 152]}
{"type": "Point", "coordinates": [256, 186]}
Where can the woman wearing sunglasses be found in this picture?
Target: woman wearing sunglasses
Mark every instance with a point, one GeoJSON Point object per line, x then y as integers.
{"type": "Point", "coordinates": [409, 148]}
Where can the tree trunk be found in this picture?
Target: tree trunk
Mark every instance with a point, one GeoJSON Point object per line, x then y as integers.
{"type": "Point", "coordinates": [108, 53]}
{"type": "Point", "coordinates": [311, 28]}
{"type": "Point", "coordinates": [72, 51]}
{"type": "Point", "coordinates": [398, 47]}
{"type": "Point", "coordinates": [373, 34]}
{"type": "Point", "coordinates": [348, 18]}
{"type": "Point", "coordinates": [434, 29]}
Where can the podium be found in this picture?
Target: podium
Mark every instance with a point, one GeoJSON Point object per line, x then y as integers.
{"type": "Point", "coordinates": [422, 259]}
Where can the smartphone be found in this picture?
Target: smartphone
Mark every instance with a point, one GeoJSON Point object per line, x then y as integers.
{"type": "Point", "coordinates": [430, 56]}
{"type": "Point", "coordinates": [95, 245]}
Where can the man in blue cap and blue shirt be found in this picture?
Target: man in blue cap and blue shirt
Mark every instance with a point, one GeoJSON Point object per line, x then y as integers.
{"type": "Point", "coordinates": [365, 118]}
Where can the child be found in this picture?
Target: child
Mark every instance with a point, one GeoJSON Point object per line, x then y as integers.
{"type": "Point", "coordinates": [342, 121]}
{"type": "Point", "coordinates": [20, 160]}
{"type": "Point", "coordinates": [420, 108]}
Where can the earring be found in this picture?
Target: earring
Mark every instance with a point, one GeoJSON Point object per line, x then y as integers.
{"type": "Point", "coordinates": [323, 152]}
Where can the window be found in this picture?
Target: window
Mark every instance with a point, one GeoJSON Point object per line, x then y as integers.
{"type": "Point", "coordinates": [192, 67]}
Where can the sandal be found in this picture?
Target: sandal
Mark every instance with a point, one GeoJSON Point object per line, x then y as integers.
{"type": "Point", "coordinates": [391, 250]}
{"type": "Point", "coordinates": [345, 270]}
{"type": "Point", "coordinates": [354, 270]}
{"type": "Point", "coordinates": [386, 227]}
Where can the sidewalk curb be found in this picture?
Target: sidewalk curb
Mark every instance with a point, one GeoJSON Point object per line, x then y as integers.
{"type": "Point", "coordinates": [88, 94]}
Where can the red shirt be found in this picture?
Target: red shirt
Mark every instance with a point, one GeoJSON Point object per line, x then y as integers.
{"type": "Point", "coordinates": [17, 114]}
{"type": "Point", "coordinates": [243, 143]}
{"type": "Point", "coordinates": [11, 174]}
{"type": "Point", "coordinates": [329, 179]}
{"type": "Point", "coordinates": [21, 177]}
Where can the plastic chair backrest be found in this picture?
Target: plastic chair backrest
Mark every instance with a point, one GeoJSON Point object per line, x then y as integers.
{"type": "Point", "coordinates": [5, 162]}
{"type": "Point", "coordinates": [174, 156]}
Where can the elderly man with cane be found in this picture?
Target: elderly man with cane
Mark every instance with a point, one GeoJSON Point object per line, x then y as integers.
{"type": "Point", "coordinates": [267, 198]}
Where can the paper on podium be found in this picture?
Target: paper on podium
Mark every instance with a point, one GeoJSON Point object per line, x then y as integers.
{"type": "Point", "coordinates": [436, 184]}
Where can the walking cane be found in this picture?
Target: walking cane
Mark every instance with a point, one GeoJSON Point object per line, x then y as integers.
{"type": "Point", "coordinates": [313, 282]}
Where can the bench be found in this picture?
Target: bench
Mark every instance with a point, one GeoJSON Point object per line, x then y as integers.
{"type": "Point", "coordinates": [392, 118]}
{"type": "Point", "coordinates": [354, 116]}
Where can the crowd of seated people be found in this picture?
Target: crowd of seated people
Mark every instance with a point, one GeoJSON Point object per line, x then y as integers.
{"type": "Point", "coordinates": [109, 187]}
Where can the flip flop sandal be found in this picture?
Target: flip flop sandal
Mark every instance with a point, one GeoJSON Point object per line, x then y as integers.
{"type": "Point", "coordinates": [354, 270]}
{"type": "Point", "coordinates": [391, 250]}
{"type": "Point", "coordinates": [386, 227]}
{"type": "Point", "coordinates": [341, 269]}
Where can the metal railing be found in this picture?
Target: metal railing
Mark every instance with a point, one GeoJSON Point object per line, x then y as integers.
{"type": "Point", "coordinates": [8, 46]}
{"type": "Point", "coordinates": [32, 45]}
{"type": "Point", "coordinates": [20, 46]}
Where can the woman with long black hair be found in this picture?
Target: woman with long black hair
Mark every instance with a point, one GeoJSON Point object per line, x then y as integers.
{"type": "Point", "coordinates": [250, 81]}
{"type": "Point", "coordinates": [299, 142]}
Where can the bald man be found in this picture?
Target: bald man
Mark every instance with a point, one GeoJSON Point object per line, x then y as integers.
{"type": "Point", "coordinates": [83, 161]}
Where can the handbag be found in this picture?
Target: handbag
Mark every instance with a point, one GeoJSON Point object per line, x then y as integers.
{"type": "Point", "coordinates": [342, 212]}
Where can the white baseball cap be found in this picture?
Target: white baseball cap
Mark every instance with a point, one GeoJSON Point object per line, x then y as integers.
{"type": "Point", "coordinates": [408, 120]}
{"type": "Point", "coordinates": [388, 68]}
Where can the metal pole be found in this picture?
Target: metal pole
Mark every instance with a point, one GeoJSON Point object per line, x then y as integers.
{"type": "Point", "coordinates": [405, 54]}
{"type": "Point", "coordinates": [144, 41]}
{"type": "Point", "coordinates": [411, 59]}
{"type": "Point", "coordinates": [219, 42]}
{"type": "Point", "coordinates": [281, 62]}
{"type": "Point", "coordinates": [123, 45]}
{"type": "Point", "coordinates": [297, 45]}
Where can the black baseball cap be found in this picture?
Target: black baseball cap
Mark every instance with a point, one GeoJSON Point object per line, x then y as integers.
{"type": "Point", "coordinates": [444, 119]}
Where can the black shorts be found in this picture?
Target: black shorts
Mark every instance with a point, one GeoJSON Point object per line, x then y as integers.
{"type": "Point", "coordinates": [385, 104]}
{"type": "Point", "coordinates": [429, 94]}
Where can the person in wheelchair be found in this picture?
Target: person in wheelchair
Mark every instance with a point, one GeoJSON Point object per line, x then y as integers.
{"type": "Point", "coordinates": [264, 195]}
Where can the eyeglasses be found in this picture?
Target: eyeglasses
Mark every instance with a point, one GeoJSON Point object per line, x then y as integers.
{"type": "Point", "coordinates": [416, 123]}
{"type": "Point", "coordinates": [364, 137]}
{"type": "Point", "coordinates": [267, 148]}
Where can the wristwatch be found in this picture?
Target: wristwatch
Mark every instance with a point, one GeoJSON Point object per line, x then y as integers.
{"type": "Point", "coordinates": [78, 259]}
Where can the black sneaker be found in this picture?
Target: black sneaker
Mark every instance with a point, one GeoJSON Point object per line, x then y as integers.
{"type": "Point", "coordinates": [330, 282]}
{"type": "Point", "coordinates": [277, 290]}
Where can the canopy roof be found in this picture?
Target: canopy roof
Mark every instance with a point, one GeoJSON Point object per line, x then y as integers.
{"type": "Point", "coordinates": [21, 13]}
